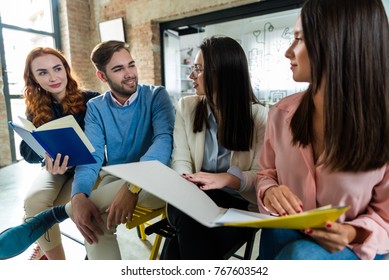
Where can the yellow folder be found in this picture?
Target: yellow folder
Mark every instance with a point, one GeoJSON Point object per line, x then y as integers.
{"type": "Point", "coordinates": [315, 218]}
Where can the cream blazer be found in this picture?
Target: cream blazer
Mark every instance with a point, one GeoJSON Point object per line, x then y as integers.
{"type": "Point", "coordinates": [188, 147]}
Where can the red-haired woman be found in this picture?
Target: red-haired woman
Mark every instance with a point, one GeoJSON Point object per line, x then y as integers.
{"type": "Point", "coordinates": [51, 91]}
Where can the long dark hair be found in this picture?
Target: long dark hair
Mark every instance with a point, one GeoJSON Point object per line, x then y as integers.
{"type": "Point", "coordinates": [348, 46]}
{"type": "Point", "coordinates": [226, 75]}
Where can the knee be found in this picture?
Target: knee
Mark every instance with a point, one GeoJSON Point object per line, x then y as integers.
{"type": "Point", "coordinates": [176, 217]}
{"type": "Point", "coordinates": [296, 250]}
{"type": "Point", "coordinates": [33, 204]}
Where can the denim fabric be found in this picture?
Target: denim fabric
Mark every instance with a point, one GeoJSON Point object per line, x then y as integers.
{"type": "Point", "coordinates": [284, 244]}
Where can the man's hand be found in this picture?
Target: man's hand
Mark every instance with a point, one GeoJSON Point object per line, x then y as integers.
{"type": "Point", "coordinates": [122, 207]}
{"type": "Point", "coordinates": [86, 216]}
{"type": "Point", "coordinates": [55, 167]}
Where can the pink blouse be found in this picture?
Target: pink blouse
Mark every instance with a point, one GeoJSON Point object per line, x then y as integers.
{"type": "Point", "coordinates": [366, 192]}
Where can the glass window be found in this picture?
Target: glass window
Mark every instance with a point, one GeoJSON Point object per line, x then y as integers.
{"type": "Point", "coordinates": [264, 39]}
{"type": "Point", "coordinates": [18, 109]}
{"type": "Point", "coordinates": [25, 24]}
{"type": "Point", "coordinates": [34, 14]}
{"type": "Point", "coordinates": [17, 44]}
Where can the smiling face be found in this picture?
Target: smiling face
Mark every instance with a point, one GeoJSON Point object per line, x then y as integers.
{"type": "Point", "coordinates": [197, 74]}
{"type": "Point", "coordinates": [121, 75]}
{"type": "Point", "coordinates": [298, 55]}
{"type": "Point", "coordinates": [50, 73]}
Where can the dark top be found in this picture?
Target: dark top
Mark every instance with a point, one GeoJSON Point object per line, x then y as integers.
{"type": "Point", "coordinates": [28, 154]}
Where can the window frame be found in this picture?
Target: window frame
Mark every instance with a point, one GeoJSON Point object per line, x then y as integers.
{"type": "Point", "coordinates": [7, 96]}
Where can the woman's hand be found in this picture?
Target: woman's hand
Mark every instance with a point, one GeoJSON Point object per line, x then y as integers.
{"type": "Point", "coordinates": [335, 236]}
{"type": "Point", "coordinates": [209, 181]}
{"type": "Point", "coordinates": [55, 167]}
{"type": "Point", "coordinates": [281, 201]}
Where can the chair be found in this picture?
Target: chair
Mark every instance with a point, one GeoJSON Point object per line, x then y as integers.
{"type": "Point", "coordinates": [142, 217]}
{"type": "Point", "coordinates": [164, 229]}
{"type": "Point", "coordinates": [249, 241]}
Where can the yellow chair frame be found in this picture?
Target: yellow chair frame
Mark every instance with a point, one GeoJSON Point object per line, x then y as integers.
{"type": "Point", "coordinates": [142, 217]}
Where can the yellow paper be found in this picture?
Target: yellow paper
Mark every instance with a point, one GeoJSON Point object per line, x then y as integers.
{"type": "Point", "coordinates": [311, 219]}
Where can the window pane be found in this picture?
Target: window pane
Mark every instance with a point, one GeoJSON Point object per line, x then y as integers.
{"type": "Point", "coordinates": [264, 39]}
{"type": "Point", "coordinates": [35, 14]}
{"type": "Point", "coordinates": [17, 44]}
{"type": "Point", "coordinates": [18, 109]}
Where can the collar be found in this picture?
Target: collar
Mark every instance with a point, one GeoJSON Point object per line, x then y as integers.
{"type": "Point", "coordinates": [128, 101]}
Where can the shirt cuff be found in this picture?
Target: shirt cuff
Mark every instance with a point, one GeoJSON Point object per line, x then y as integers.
{"type": "Point", "coordinates": [233, 170]}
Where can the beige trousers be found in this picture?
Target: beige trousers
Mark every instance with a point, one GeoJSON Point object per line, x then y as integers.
{"type": "Point", "coordinates": [107, 247]}
{"type": "Point", "coordinates": [46, 191]}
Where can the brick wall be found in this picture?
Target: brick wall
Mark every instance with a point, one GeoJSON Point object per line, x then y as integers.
{"type": "Point", "coordinates": [78, 33]}
{"type": "Point", "coordinates": [141, 20]}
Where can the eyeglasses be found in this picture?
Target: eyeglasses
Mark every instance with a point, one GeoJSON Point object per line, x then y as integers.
{"type": "Point", "coordinates": [195, 70]}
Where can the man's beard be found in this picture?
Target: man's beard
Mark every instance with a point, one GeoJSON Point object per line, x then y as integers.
{"type": "Point", "coordinates": [119, 88]}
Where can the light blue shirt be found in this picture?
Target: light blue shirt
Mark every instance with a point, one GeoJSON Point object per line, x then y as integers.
{"type": "Point", "coordinates": [216, 157]}
{"type": "Point", "coordinates": [128, 101]}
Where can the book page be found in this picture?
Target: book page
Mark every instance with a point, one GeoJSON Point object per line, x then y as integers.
{"type": "Point", "coordinates": [26, 135]}
{"type": "Point", "coordinates": [235, 215]}
{"type": "Point", "coordinates": [27, 124]}
{"type": "Point", "coordinates": [168, 185]}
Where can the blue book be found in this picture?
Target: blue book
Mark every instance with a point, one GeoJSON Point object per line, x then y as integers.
{"type": "Point", "coordinates": [61, 136]}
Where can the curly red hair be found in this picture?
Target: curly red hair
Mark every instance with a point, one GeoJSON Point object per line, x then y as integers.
{"type": "Point", "coordinates": [38, 100]}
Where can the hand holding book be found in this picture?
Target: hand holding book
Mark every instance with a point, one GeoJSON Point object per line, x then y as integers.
{"type": "Point", "coordinates": [61, 136]}
{"type": "Point", "coordinates": [59, 165]}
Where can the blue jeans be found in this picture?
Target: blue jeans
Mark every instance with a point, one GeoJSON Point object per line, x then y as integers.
{"type": "Point", "coordinates": [285, 244]}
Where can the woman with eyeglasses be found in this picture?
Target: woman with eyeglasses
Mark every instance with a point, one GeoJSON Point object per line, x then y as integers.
{"type": "Point", "coordinates": [217, 137]}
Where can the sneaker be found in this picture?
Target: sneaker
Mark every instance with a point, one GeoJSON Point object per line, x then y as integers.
{"type": "Point", "coordinates": [15, 240]}
{"type": "Point", "coordinates": [37, 254]}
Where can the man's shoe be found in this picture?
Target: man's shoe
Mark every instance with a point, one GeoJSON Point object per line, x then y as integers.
{"type": "Point", "coordinates": [37, 254]}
